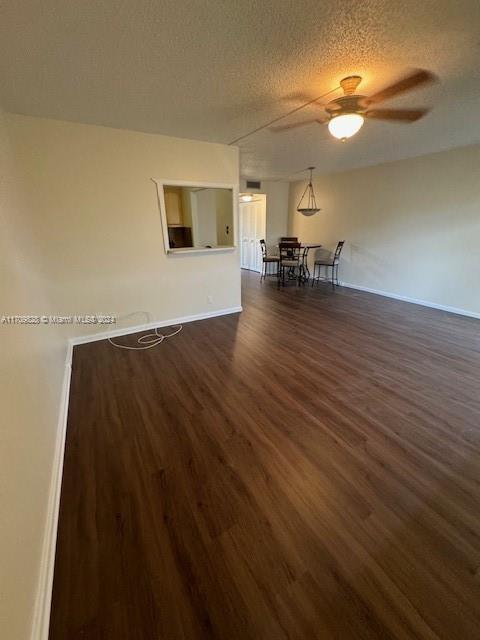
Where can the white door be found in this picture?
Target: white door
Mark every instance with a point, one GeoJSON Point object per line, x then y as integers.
{"type": "Point", "coordinates": [252, 230]}
{"type": "Point", "coordinates": [246, 234]}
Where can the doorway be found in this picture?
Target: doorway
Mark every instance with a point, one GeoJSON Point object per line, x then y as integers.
{"type": "Point", "coordinates": [253, 222]}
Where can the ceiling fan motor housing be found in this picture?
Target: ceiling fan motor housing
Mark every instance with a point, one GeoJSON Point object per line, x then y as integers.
{"type": "Point", "coordinates": [346, 104]}
{"type": "Point", "coordinates": [350, 102]}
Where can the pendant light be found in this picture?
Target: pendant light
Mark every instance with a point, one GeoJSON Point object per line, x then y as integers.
{"type": "Point", "coordinates": [308, 205]}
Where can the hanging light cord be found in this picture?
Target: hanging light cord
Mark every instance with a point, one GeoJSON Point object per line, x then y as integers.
{"type": "Point", "coordinates": [285, 115]}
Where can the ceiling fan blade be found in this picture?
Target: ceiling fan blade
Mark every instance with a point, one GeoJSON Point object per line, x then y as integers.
{"type": "Point", "coordinates": [421, 76]}
{"type": "Point", "coordinates": [285, 127]}
{"type": "Point", "coordinates": [398, 115]}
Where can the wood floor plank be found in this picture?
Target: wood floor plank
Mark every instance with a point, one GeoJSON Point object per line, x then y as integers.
{"type": "Point", "coordinates": [307, 469]}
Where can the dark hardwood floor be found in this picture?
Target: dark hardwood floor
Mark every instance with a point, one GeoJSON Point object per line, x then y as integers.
{"type": "Point", "coordinates": [306, 469]}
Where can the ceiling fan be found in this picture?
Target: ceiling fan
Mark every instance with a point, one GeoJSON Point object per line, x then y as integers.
{"type": "Point", "coordinates": [345, 115]}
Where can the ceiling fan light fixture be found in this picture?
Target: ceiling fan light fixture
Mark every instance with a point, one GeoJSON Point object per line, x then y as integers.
{"type": "Point", "coordinates": [345, 125]}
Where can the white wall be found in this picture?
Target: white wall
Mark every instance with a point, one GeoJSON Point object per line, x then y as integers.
{"type": "Point", "coordinates": [412, 227]}
{"type": "Point", "coordinates": [277, 208]}
{"type": "Point", "coordinates": [204, 210]}
{"type": "Point", "coordinates": [98, 221]}
{"type": "Point", "coordinates": [224, 217]}
{"type": "Point", "coordinates": [31, 373]}
{"type": "Point", "coordinates": [80, 234]}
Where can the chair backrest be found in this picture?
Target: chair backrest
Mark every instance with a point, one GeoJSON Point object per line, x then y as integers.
{"type": "Point", "coordinates": [289, 250]}
{"type": "Point", "coordinates": [263, 247]}
{"type": "Point", "coordinates": [286, 239]}
{"type": "Point", "coordinates": [338, 250]}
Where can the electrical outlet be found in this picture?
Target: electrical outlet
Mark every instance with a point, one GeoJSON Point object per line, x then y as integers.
{"type": "Point", "coordinates": [209, 299]}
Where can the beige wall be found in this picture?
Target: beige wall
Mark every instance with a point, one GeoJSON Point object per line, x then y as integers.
{"type": "Point", "coordinates": [412, 227]}
{"type": "Point", "coordinates": [277, 208]}
{"type": "Point", "coordinates": [98, 222]}
{"type": "Point", "coordinates": [31, 374]}
{"type": "Point", "coordinates": [80, 234]}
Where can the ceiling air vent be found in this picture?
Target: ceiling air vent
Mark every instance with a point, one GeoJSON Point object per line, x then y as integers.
{"type": "Point", "coordinates": [254, 184]}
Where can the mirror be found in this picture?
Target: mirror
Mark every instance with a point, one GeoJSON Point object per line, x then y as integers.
{"type": "Point", "coordinates": [197, 217]}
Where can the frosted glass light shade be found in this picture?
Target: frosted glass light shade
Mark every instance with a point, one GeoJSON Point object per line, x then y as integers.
{"type": "Point", "coordinates": [346, 125]}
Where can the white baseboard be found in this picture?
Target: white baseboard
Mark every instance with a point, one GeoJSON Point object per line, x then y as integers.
{"type": "Point", "coordinates": [124, 331]}
{"type": "Point", "coordinates": [41, 614]}
{"type": "Point", "coordinates": [423, 303]}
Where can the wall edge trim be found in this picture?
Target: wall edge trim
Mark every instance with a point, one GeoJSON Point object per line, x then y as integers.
{"type": "Point", "coordinates": [43, 599]}
{"type": "Point", "coordinates": [423, 303]}
{"type": "Point", "coordinates": [124, 331]}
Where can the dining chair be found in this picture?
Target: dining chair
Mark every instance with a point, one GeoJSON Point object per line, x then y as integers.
{"type": "Point", "coordinates": [331, 263]}
{"type": "Point", "coordinates": [289, 260]}
{"type": "Point", "coordinates": [268, 260]}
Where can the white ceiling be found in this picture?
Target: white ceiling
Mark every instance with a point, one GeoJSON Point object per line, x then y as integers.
{"type": "Point", "coordinates": [215, 69]}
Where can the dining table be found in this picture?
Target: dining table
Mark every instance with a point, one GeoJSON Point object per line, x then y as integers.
{"type": "Point", "coordinates": [303, 270]}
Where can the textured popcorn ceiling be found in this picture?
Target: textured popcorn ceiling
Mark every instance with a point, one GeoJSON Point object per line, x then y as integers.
{"type": "Point", "coordinates": [215, 69]}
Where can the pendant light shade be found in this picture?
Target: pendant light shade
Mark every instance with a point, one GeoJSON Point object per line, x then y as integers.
{"type": "Point", "coordinates": [308, 205]}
